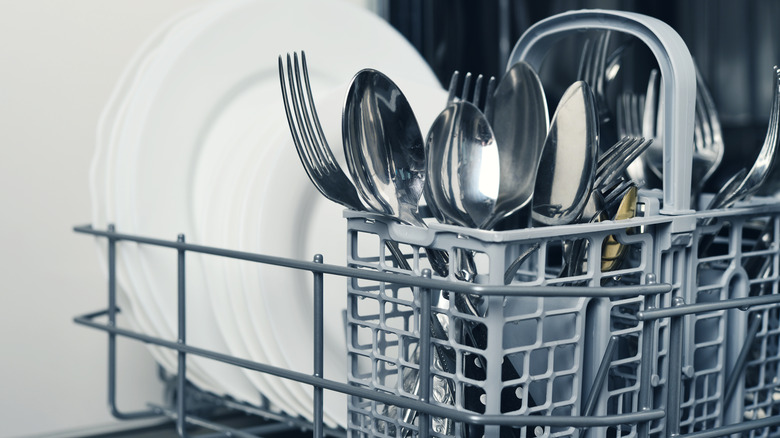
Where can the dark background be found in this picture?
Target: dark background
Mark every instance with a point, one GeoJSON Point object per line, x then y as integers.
{"type": "Point", "coordinates": [734, 43]}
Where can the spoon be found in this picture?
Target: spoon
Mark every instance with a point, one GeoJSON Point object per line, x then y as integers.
{"type": "Point", "coordinates": [385, 151]}
{"type": "Point", "coordinates": [463, 164]}
{"type": "Point", "coordinates": [518, 115]}
{"type": "Point", "coordinates": [567, 166]}
{"type": "Point", "coordinates": [386, 158]}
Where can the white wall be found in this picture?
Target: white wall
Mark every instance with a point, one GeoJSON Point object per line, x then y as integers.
{"type": "Point", "coordinates": [59, 60]}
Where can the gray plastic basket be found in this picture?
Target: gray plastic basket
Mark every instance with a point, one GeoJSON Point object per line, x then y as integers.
{"type": "Point", "coordinates": [543, 352]}
{"type": "Point", "coordinates": [733, 355]}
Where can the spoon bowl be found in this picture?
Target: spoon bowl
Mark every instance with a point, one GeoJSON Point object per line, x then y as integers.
{"type": "Point", "coordinates": [384, 146]}
{"type": "Point", "coordinates": [463, 164]}
{"type": "Point", "coordinates": [519, 119]}
{"type": "Point", "coordinates": [567, 165]}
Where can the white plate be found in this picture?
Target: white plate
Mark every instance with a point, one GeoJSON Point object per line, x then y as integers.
{"type": "Point", "coordinates": [286, 216]}
{"type": "Point", "coordinates": [185, 93]}
{"type": "Point", "coordinates": [101, 185]}
{"type": "Point", "coordinates": [229, 146]}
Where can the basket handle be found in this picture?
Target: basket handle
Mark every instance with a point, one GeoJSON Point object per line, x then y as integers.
{"type": "Point", "coordinates": [677, 71]}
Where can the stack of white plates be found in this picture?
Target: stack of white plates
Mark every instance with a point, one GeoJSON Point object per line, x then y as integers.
{"type": "Point", "coordinates": [194, 141]}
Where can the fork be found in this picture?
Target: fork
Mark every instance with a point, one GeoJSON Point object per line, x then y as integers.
{"type": "Point", "coordinates": [708, 138]}
{"type": "Point", "coordinates": [328, 177]}
{"type": "Point", "coordinates": [313, 150]}
{"type": "Point", "coordinates": [593, 69]}
{"type": "Point", "coordinates": [466, 94]}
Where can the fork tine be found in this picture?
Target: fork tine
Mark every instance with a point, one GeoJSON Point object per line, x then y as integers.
{"type": "Point", "coordinates": [600, 66]}
{"type": "Point", "coordinates": [453, 87]}
{"type": "Point", "coordinates": [302, 115]}
{"type": "Point", "coordinates": [620, 118]}
{"type": "Point", "coordinates": [604, 156]}
{"type": "Point", "coordinates": [617, 154]}
{"type": "Point", "coordinates": [303, 152]}
{"type": "Point", "coordinates": [466, 86]}
{"type": "Point", "coordinates": [491, 89]}
{"type": "Point", "coordinates": [326, 154]}
{"type": "Point", "coordinates": [477, 91]}
{"type": "Point", "coordinates": [710, 110]}
{"type": "Point", "coordinates": [651, 108]}
{"type": "Point", "coordinates": [637, 148]}
{"type": "Point", "coordinates": [584, 66]}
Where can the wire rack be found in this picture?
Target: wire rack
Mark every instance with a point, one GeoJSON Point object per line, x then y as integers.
{"type": "Point", "coordinates": [185, 413]}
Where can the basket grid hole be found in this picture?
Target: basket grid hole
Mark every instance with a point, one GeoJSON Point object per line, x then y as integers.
{"type": "Point", "coordinates": [708, 328]}
{"type": "Point", "coordinates": [473, 366]}
{"type": "Point", "coordinates": [396, 316]}
{"type": "Point", "coordinates": [366, 308]}
{"type": "Point", "coordinates": [361, 367]}
{"type": "Point", "coordinates": [362, 337]}
{"type": "Point", "coordinates": [721, 243]}
{"type": "Point", "coordinates": [366, 246]}
{"type": "Point", "coordinates": [468, 333]}
{"type": "Point", "coordinates": [473, 398]}
{"type": "Point", "coordinates": [622, 377]}
{"type": "Point", "coordinates": [561, 327]}
{"type": "Point", "coordinates": [564, 359]}
{"type": "Point", "coordinates": [619, 252]}
{"type": "Point", "coordinates": [529, 270]}
{"type": "Point", "coordinates": [514, 367]}
{"type": "Point", "coordinates": [521, 333]}
{"type": "Point", "coordinates": [708, 359]}
{"type": "Point", "coordinates": [539, 363]}
{"type": "Point", "coordinates": [410, 252]}
{"type": "Point", "coordinates": [409, 348]}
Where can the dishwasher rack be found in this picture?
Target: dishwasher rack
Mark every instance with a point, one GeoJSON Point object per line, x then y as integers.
{"type": "Point", "coordinates": [183, 412]}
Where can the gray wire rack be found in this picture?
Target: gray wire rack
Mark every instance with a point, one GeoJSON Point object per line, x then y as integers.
{"type": "Point", "coordinates": [675, 315]}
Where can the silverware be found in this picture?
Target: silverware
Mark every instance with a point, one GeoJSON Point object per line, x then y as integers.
{"type": "Point", "coordinates": [613, 252]}
{"type": "Point", "coordinates": [593, 69]}
{"type": "Point", "coordinates": [385, 152]}
{"type": "Point", "coordinates": [708, 138]}
{"type": "Point", "coordinates": [519, 119]}
{"type": "Point", "coordinates": [764, 162]}
{"type": "Point", "coordinates": [643, 115]}
{"type": "Point", "coordinates": [386, 158]}
{"type": "Point", "coordinates": [746, 183]}
{"type": "Point", "coordinates": [463, 165]}
{"type": "Point", "coordinates": [609, 188]}
{"type": "Point", "coordinates": [568, 162]}
{"type": "Point", "coordinates": [313, 149]}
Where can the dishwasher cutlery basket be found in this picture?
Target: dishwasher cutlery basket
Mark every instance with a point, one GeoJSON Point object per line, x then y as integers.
{"type": "Point", "coordinates": [686, 350]}
{"type": "Point", "coordinates": [681, 339]}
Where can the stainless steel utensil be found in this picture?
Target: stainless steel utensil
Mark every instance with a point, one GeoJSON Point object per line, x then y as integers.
{"type": "Point", "coordinates": [463, 165]}
{"type": "Point", "coordinates": [708, 138]}
{"type": "Point", "coordinates": [386, 158]}
{"type": "Point", "coordinates": [385, 152]}
{"type": "Point", "coordinates": [764, 162]}
{"type": "Point", "coordinates": [568, 162]}
{"type": "Point", "coordinates": [313, 149]}
{"type": "Point", "coordinates": [593, 69]}
{"type": "Point", "coordinates": [519, 119]}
